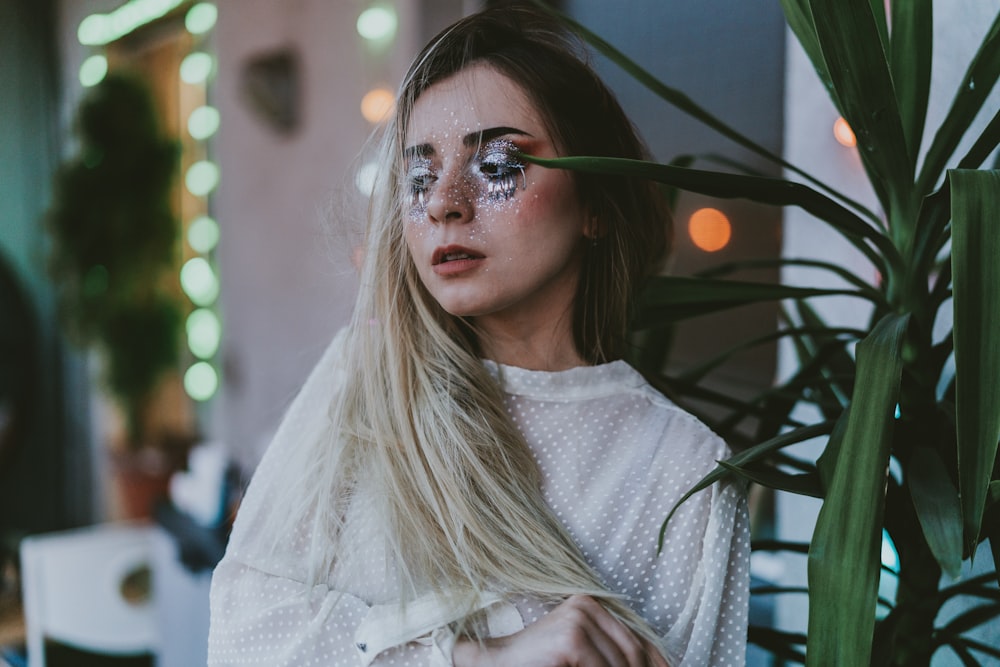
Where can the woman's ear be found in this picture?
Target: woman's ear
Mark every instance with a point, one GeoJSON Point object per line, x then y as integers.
{"type": "Point", "coordinates": [593, 229]}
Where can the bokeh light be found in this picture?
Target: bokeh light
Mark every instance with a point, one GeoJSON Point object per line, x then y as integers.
{"type": "Point", "coordinates": [710, 229]}
{"type": "Point", "coordinates": [201, 18]}
{"type": "Point", "coordinates": [376, 104]}
{"type": "Point", "coordinates": [377, 23]}
{"type": "Point", "coordinates": [203, 122]}
{"type": "Point", "coordinates": [203, 234]}
{"type": "Point", "coordinates": [199, 281]}
{"type": "Point", "coordinates": [204, 333]}
{"type": "Point", "coordinates": [196, 67]}
{"type": "Point", "coordinates": [843, 133]}
{"type": "Point", "coordinates": [201, 381]}
{"type": "Point", "coordinates": [201, 178]}
{"type": "Point", "coordinates": [93, 70]}
{"type": "Point", "coordinates": [365, 178]}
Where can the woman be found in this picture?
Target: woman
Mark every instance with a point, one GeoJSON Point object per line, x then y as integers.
{"type": "Point", "coordinates": [471, 476]}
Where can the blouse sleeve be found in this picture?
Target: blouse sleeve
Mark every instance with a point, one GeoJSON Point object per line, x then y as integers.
{"type": "Point", "coordinates": [262, 610]}
{"type": "Point", "coordinates": [261, 619]}
{"type": "Point", "coordinates": [712, 627]}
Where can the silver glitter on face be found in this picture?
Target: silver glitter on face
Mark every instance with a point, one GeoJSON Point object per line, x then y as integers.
{"type": "Point", "coordinates": [488, 176]}
{"type": "Point", "coordinates": [419, 177]}
{"type": "Point", "coordinates": [499, 163]}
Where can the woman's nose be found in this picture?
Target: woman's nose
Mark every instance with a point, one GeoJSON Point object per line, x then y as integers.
{"type": "Point", "coordinates": [451, 199]}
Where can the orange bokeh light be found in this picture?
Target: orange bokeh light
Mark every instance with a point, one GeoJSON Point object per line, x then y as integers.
{"type": "Point", "coordinates": [376, 104]}
{"type": "Point", "coordinates": [710, 229]}
{"type": "Point", "coordinates": [844, 134]}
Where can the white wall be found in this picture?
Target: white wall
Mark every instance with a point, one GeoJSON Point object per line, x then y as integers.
{"type": "Point", "coordinates": [287, 283]}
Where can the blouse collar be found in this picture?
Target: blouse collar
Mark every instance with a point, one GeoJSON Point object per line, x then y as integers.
{"type": "Point", "coordinates": [574, 383]}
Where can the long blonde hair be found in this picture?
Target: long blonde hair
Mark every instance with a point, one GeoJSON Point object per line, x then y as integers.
{"type": "Point", "coordinates": [420, 422]}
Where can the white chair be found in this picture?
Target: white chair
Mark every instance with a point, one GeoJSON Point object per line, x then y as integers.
{"type": "Point", "coordinates": [73, 591]}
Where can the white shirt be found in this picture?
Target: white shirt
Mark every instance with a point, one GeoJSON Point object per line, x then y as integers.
{"type": "Point", "coordinates": [615, 456]}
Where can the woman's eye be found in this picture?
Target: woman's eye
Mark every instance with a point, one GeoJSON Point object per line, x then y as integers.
{"type": "Point", "coordinates": [419, 177]}
{"type": "Point", "coordinates": [500, 165]}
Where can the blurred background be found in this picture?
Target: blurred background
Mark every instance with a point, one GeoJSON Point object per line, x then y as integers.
{"type": "Point", "coordinates": [180, 187]}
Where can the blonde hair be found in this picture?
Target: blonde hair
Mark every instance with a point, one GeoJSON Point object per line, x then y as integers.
{"type": "Point", "coordinates": [420, 422]}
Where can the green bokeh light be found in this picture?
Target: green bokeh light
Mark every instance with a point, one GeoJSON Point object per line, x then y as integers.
{"type": "Point", "coordinates": [204, 333]}
{"type": "Point", "coordinates": [203, 122]}
{"type": "Point", "coordinates": [199, 281]}
{"type": "Point", "coordinates": [201, 18]}
{"type": "Point", "coordinates": [203, 234]}
{"type": "Point", "coordinates": [201, 178]}
{"type": "Point", "coordinates": [93, 70]}
{"type": "Point", "coordinates": [99, 29]}
{"type": "Point", "coordinates": [92, 29]}
{"type": "Point", "coordinates": [377, 23]}
{"type": "Point", "coordinates": [201, 381]}
{"type": "Point", "coordinates": [196, 67]}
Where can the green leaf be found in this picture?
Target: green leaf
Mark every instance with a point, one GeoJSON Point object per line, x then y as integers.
{"type": "Point", "coordinates": [745, 457]}
{"type": "Point", "coordinates": [991, 530]}
{"type": "Point", "coordinates": [682, 102]}
{"type": "Point", "coordinates": [799, 17]}
{"type": "Point", "coordinates": [975, 203]}
{"type": "Point", "coordinates": [938, 508]}
{"type": "Point", "coordinates": [781, 644]}
{"type": "Point", "coordinates": [976, 85]}
{"type": "Point", "coordinates": [847, 540]}
{"type": "Point", "coordinates": [804, 484]}
{"type": "Point", "coordinates": [849, 37]}
{"type": "Point", "coordinates": [671, 298]}
{"type": "Point", "coordinates": [773, 191]}
{"type": "Point", "coordinates": [698, 372]}
{"type": "Point", "coordinates": [973, 618]}
{"type": "Point", "coordinates": [983, 146]}
{"type": "Point", "coordinates": [910, 62]}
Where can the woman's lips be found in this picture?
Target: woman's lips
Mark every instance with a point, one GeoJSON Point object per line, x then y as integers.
{"type": "Point", "coordinates": [452, 259]}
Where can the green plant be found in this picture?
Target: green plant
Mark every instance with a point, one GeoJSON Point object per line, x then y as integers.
{"type": "Point", "coordinates": [115, 239]}
{"type": "Point", "coordinates": [896, 397]}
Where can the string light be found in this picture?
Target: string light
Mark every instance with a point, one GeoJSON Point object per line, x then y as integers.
{"type": "Point", "coordinates": [93, 70]}
{"type": "Point", "coordinates": [377, 23]}
{"type": "Point", "coordinates": [376, 104]}
{"type": "Point", "coordinates": [843, 133]}
{"type": "Point", "coordinates": [710, 229]}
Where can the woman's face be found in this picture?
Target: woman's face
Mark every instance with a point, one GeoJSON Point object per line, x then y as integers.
{"type": "Point", "coordinates": [493, 237]}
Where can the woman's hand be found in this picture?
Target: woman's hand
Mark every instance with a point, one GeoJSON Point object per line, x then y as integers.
{"type": "Point", "coordinates": [577, 633]}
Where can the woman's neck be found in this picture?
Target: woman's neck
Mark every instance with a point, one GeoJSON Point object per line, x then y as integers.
{"type": "Point", "coordinates": [547, 349]}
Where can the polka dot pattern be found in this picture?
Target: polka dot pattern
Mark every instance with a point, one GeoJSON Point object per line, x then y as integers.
{"type": "Point", "coordinates": [615, 457]}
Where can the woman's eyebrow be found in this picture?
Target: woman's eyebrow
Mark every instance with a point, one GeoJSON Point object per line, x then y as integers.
{"type": "Point", "coordinates": [420, 150]}
{"type": "Point", "coordinates": [471, 140]}
{"type": "Point", "coordinates": [477, 138]}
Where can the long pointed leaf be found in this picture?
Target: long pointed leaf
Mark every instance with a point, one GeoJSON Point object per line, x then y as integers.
{"type": "Point", "coordinates": [804, 484]}
{"type": "Point", "coordinates": [976, 85]}
{"type": "Point", "coordinates": [975, 205]}
{"type": "Point", "coordinates": [698, 372]}
{"type": "Point", "coordinates": [799, 18]}
{"type": "Point", "coordinates": [774, 191]}
{"type": "Point", "coordinates": [938, 508]}
{"type": "Point", "coordinates": [747, 456]}
{"type": "Point", "coordinates": [910, 62]}
{"type": "Point", "coordinates": [983, 146]}
{"type": "Point", "coordinates": [849, 36]}
{"type": "Point", "coordinates": [670, 298]}
{"type": "Point", "coordinates": [847, 540]}
{"type": "Point", "coordinates": [864, 288]}
{"type": "Point", "coordinates": [682, 102]}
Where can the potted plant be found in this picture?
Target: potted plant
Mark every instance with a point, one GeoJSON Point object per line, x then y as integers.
{"type": "Point", "coordinates": [895, 398]}
{"type": "Point", "coordinates": [115, 239]}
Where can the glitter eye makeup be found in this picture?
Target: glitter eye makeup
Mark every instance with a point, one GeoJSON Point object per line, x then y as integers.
{"type": "Point", "coordinates": [500, 164]}
{"type": "Point", "coordinates": [419, 177]}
